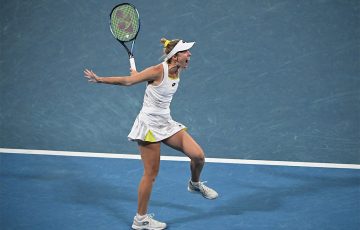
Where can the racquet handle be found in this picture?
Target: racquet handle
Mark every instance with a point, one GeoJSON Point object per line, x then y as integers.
{"type": "Point", "coordinates": [132, 63]}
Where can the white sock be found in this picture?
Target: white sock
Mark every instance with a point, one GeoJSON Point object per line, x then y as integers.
{"type": "Point", "coordinates": [140, 217]}
{"type": "Point", "coordinates": [196, 184]}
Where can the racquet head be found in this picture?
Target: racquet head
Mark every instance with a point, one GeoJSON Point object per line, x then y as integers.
{"type": "Point", "coordinates": [124, 22]}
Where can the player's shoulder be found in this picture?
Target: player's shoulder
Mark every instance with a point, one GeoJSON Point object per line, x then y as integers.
{"type": "Point", "coordinates": [152, 72]}
{"type": "Point", "coordinates": [157, 69]}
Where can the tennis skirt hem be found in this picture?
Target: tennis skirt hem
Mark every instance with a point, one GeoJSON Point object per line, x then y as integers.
{"type": "Point", "coordinates": [154, 128]}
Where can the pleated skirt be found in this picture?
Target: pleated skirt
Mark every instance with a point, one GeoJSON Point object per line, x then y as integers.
{"type": "Point", "coordinates": [154, 127]}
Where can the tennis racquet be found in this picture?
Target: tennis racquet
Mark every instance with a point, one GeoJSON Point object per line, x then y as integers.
{"type": "Point", "coordinates": [125, 26]}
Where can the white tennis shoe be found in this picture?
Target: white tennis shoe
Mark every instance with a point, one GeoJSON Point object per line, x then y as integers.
{"type": "Point", "coordinates": [148, 223]}
{"type": "Point", "coordinates": [201, 188]}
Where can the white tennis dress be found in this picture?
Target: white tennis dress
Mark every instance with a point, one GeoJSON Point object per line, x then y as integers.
{"type": "Point", "coordinates": [154, 122]}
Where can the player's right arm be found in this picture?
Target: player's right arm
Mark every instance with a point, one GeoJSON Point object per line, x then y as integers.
{"type": "Point", "coordinates": [153, 73]}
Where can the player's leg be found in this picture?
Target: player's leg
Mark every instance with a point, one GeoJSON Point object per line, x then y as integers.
{"type": "Point", "coordinates": [150, 155]}
{"type": "Point", "coordinates": [183, 142]}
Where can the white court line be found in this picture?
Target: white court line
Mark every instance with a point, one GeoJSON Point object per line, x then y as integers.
{"type": "Point", "coordinates": [175, 158]}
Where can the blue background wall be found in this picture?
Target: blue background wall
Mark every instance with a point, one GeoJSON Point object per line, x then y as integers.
{"type": "Point", "coordinates": [276, 80]}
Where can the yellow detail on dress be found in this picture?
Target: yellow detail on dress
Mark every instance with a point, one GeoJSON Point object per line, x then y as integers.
{"type": "Point", "coordinates": [150, 137]}
{"type": "Point", "coordinates": [173, 77]}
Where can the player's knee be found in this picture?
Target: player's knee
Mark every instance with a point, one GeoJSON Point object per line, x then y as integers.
{"type": "Point", "coordinates": [199, 158]}
{"type": "Point", "coordinates": [150, 177]}
{"type": "Point", "coordinates": [153, 178]}
{"type": "Point", "coordinates": [152, 174]}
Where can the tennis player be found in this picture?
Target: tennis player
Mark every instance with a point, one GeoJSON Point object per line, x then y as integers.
{"type": "Point", "coordinates": [154, 125]}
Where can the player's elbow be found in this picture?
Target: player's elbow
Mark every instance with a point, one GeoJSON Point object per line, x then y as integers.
{"type": "Point", "coordinates": [128, 81]}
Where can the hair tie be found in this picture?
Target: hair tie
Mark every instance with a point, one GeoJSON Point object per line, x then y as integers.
{"type": "Point", "coordinates": [166, 43]}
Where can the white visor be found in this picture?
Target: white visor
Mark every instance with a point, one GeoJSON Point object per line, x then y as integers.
{"type": "Point", "coordinates": [180, 46]}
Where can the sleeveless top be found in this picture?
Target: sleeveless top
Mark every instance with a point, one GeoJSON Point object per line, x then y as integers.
{"type": "Point", "coordinates": [154, 122]}
{"type": "Point", "coordinates": [157, 98]}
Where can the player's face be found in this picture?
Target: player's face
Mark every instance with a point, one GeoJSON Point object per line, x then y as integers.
{"type": "Point", "coordinates": [183, 58]}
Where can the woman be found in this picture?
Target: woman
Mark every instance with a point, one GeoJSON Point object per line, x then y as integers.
{"type": "Point", "coordinates": [154, 125]}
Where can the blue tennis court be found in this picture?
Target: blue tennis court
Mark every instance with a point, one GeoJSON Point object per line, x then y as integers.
{"type": "Point", "coordinates": [272, 95]}
{"type": "Point", "coordinates": [57, 192]}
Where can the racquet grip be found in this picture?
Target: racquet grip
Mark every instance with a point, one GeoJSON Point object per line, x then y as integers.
{"type": "Point", "coordinates": [132, 63]}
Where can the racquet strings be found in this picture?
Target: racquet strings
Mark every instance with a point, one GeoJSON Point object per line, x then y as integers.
{"type": "Point", "coordinates": [124, 22]}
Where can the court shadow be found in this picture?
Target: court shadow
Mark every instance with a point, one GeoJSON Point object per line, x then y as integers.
{"type": "Point", "coordinates": [117, 200]}
{"type": "Point", "coordinates": [268, 199]}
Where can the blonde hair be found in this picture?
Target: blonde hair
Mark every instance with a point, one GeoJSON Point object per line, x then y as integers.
{"type": "Point", "coordinates": [168, 45]}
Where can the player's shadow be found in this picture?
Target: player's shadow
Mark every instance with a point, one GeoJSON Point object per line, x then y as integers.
{"type": "Point", "coordinates": [267, 199]}
{"type": "Point", "coordinates": [117, 197]}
